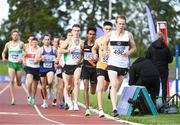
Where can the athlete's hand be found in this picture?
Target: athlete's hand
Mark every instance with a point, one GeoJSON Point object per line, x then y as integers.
{"type": "Point", "coordinates": [43, 57]}
{"type": "Point", "coordinates": [95, 57]}
{"type": "Point", "coordinates": [20, 60]}
{"type": "Point", "coordinates": [125, 54]}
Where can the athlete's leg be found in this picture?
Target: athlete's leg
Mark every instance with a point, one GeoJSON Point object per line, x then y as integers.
{"type": "Point", "coordinates": [86, 92]}
{"type": "Point", "coordinates": [77, 74]}
{"type": "Point", "coordinates": [18, 77]}
{"type": "Point", "coordinates": [43, 84]}
{"type": "Point", "coordinates": [67, 88]}
{"type": "Point", "coordinates": [100, 82]}
{"type": "Point", "coordinates": [29, 78]}
{"type": "Point", "coordinates": [11, 73]}
{"type": "Point", "coordinates": [114, 87]}
{"type": "Point", "coordinates": [50, 79]}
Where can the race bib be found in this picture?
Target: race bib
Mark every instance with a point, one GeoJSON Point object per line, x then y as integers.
{"type": "Point", "coordinates": [47, 65]}
{"type": "Point", "coordinates": [118, 50]}
{"type": "Point", "coordinates": [31, 61]}
{"type": "Point", "coordinates": [75, 55]}
{"type": "Point", "coordinates": [15, 57]}
{"type": "Point", "coordinates": [88, 55]}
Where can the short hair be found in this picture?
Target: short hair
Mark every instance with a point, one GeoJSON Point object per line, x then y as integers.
{"type": "Point", "coordinates": [91, 29]}
{"type": "Point", "coordinates": [14, 30]}
{"type": "Point", "coordinates": [31, 35]}
{"type": "Point", "coordinates": [35, 39]}
{"type": "Point", "coordinates": [76, 25]}
{"type": "Point", "coordinates": [107, 23]}
{"type": "Point", "coordinates": [68, 31]}
{"type": "Point", "coordinates": [120, 17]}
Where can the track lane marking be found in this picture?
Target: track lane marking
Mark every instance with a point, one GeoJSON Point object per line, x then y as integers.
{"type": "Point", "coordinates": [39, 113]}
{"type": "Point", "coordinates": [4, 89]}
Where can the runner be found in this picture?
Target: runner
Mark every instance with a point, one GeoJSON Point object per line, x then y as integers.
{"type": "Point", "coordinates": [32, 70]}
{"type": "Point", "coordinates": [15, 57]}
{"type": "Point", "coordinates": [46, 57]}
{"type": "Point", "coordinates": [121, 44]}
{"type": "Point", "coordinates": [68, 36]}
{"type": "Point", "coordinates": [102, 74]}
{"type": "Point", "coordinates": [59, 79]}
{"type": "Point", "coordinates": [89, 67]}
{"type": "Point", "coordinates": [72, 69]}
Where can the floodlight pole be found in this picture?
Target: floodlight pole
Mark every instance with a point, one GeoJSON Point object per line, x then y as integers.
{"type": "Point", "coordinates": [110, 9]}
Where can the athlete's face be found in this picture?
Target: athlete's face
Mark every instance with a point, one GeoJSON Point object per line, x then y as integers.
{"type": "Point", "coordinates": [91, 35]}
{"type": "Point", "coordinates": [30, 39]}
{"type": "Point", "coordinates": [107, 29]}
{"type": "Point", "coordinates": [46, 40]}
{"type": "Point", "coordinates": [34, 43]}
{"type": "Point", "coordinates": [69, 35]}
{"type": "Point", "coordinates": [15, 36]}
{"type": "Point", "coordinates": [55, 42]}
{"type": "Point", "coordinates": [120, 24]}
{"type": "Point", "coordinates": [75, 32]}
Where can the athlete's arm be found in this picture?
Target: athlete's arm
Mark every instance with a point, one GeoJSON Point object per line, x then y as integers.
{"type": "Point", "coordinates": [24, 56]}
{"type": "Point", "coordinates": [82, 52]}
{"type": "Point", "coordinates": [94, 50]}
{"type": "Point", "coordinates": [64, 47]}
{"type": "Point", "coordinates": [5, 51]}
{"type": "Point", "coordinates": [132, 46]}
{"type": "Point", "coordinates": [38, 57]}
{"type": "Point", "coordinates": [106, 43]}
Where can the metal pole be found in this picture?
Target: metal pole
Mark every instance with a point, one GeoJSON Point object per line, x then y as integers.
{"type": "Point", "coordinates": [110, 9]}
{"type": "Point", "coordinates": [177, 72]}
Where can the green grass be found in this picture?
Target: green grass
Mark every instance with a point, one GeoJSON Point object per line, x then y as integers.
{"type": "Point", "coordinates": [3, 68]}
{"type": "Point", "coordinates": [146, 119]}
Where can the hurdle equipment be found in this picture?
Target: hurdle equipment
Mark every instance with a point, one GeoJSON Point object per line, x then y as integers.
{"type": "Point", "coordinates": [135, 97]}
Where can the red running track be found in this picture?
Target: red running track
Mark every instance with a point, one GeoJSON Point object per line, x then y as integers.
{"type": "Point", "coordinates": [22, 113]}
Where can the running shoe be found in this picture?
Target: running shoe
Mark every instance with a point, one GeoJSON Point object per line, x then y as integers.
{"type": "Point", "coordinates": [54, 102]}
{"type": "Point", "coordinates": [71, 107]}
{"type": "Point", "coordinates": [44, 105]}
{"type": "Point", "coordinates": [115, 113]}
{"type": "Point", "coordinates": [101, 113]}
{"type": "Point", "coordinates": [32, 101]}
{"type": "Point", "coordinates": [61, 106]}
{"type": "Point", "coordinates": [13, 101]}
{"type": "Point", "coordinates": [87, 112]}
{"type": "Point", "coordinates": [29, 100]}
{"type": "Point", "coordinates": [76, 108]}
{"type": "Point", "coordinates": [66, 107]}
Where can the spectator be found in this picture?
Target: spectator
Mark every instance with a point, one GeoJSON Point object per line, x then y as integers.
{"type": "Point", "coordinates": [160, 56]}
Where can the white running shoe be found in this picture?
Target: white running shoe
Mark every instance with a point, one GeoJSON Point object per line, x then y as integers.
{"type": "Point", "coordinates": [44, 105]}
{"type": "Point", "coordinates": [76, 108]}
{"type": "Point", "coordinates": [71, 107]}
{"type": "Point", "coordinates": [101, 113]}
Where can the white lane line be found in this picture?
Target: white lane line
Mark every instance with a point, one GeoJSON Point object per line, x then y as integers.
{"type": "Point", "coordinates": [110, 117]}
{"type": "Point", "coordinates": [39, 113]}
{"type": "Point", "coordinates": [4, 89]}
{"type": "Point", "coordinates": [9, 113]}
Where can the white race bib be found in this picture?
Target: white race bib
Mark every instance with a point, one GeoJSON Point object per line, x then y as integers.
{"type": "Point", "coordinates": [47, 65]}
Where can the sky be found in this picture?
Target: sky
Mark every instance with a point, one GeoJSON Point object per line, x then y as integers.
{"type": "Point", "coordinates": [3, 10]}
